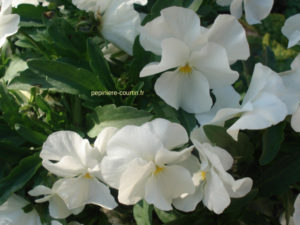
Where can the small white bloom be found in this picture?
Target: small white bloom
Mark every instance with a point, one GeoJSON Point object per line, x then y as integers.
{"type": "Point", "coordinates": [11, 212]}
{"type": "Point", "coordinates": [67, 155]}
{"type": "Point", "coordinates": [292, 81]}
{"type": "Point", "coordinates": [119, 21]}
{"type": "Point", "coordinates": [8, 22]}
{"type": "Point", "coordinates": [140, 163]}
{"type": "Point", "coordinates": [214, 186]}
{"type": "Point", "coordinates": [199, 56]}
{"type": "Point", "coordinates": [267, 102]}
{"type": "Point", "coordinates": [291, 30]}
{"type": "Point", "coordinates": [57, 206]}
{"type": "Point", "coordinates": [255, 10]}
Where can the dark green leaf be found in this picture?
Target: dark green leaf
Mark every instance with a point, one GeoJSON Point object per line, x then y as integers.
{"type": "Point", "coordinates": [280, 175]}
{"type": "Point", "coordinates": [30, 135]}
{"type": "Point", "coordinates": [166, 216]}
{"type": "Point", "coordinates": [272, 140]}
{"type": "Point", "coordinates": [99, 64]}
{"type": "Point", "coordinates": [19, 176]}
{"type": "Point", "coordinates": [10, 152]}
{"type": "Point", "coordinates": [67, 78]}
{"type": "Point", "coordinates": [110, 115]}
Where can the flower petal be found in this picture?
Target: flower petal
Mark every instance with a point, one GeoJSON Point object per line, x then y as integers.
{"type": "Point", "coordinates": [188, 91]}
{"type": "Point", "coordinates": [174, 53]}
{"type": "Point", "coordinates": [171, 134]}
{"type": "Point", "coordinates": [133, 180]}
{"type": "Point", "coordinates": [230, 34]}
{"type": "Point", "coordinates": [170, 183]}
{"type": "Point", "coordinates": [58, 208]}
{"type": "Point", "coordinates": [257, 10]}
{"type": "Point", "coordinates": [212, 62]}
{"type": "Point", "coordinates": [102, 139]}
{"type": "Point", "coordinates": [8, 26]}
{"type": "Point", "coordinates": [236, 8]}
{"type": "Point", "coordinates": [295, 122]}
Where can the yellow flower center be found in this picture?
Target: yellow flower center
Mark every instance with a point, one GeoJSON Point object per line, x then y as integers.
{"type": "Point", "coordinates": [203, 175]}
{"type": "Point", "coordinates": [185, 69]}
{"type": "Point", "coordinates": [158, 170]}
{"type": "Point", "coordinates": [87, 175]}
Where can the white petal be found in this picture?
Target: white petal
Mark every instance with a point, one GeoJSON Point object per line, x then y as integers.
{"type": "Point", "coordinates": [133, 181]}
{"type": "Point", "coordinates": [296, 215]}
{"type": "Point", "coordinates": [226, 97]}
{"type": "Point", "coordinates": [165, 156]}
{"type": "Point", "coordinates": [40, 190]}
{"type": "Point", "coordinates": [236, 8]}
{"type": "Point", "coordinates": [58, 208]}
{"type": "Point", "coordinates": [128, 143]}
{"type": "Point", "coordinates": [268, 110]}
{"type": "Point", "coordinates": [8, 26]}
{"type": "Point", "coordinates": [167, 185]}
{"type": "Point", "coordinates": [15, 3]}
{"type": "Point", "coordinates": [68, 150]}
{"type": "Point", "coordinates": [119, 25]}
{"type": "Point", "coordinates": [175, 53]}
{"type": "Point", "coordinates": [240, 188]}
{"type": "Point", "coordinates": [177, 22]}
{"type": "Point", "coordinates": [295, 122]}
{"type": "Point", "coordinates": [102, 139]}
{"type": "Point", "coordinates": [291, 29]}
{"type": "Point", "coordinates": [224, 2]}
{"type": "Point", "coordinates": [215, 197]}
{"type": "Point", "coordinates": [188, 91]}
{"type": "Point", "coordinates": [212, 62]}
{"type": "Point", "coordinates": [230, 34]}
{"type": "Point", "coordinates": [257, 10]}
{"type": "Point", "coordinates": [171, 134]}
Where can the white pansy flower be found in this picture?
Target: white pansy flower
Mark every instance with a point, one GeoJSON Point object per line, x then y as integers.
{"type": "Point", "coordinates": [267, 102]}
{"type": "Point", "coordinates": [291, 29]}
{"type": "Point", "coordinates": [184, 24]}
{"type": "Point", "coordinates": [12, 213]}
{"type": "Point", "coordinates": [67, 155]}
{"type": "Point", "coordinates": [199, 56]}
{"type": "Point", "coordinates": [141, 164]}
{"type": "Point", "coordinates": [8, 22]}
{"type": "Point", "coordinates": [255, 10]}
{"type": "Point", "coordinates": [292, 81]}
{"type": "Point", "coordinates": [57, 206]}
{"type": "Point", "coordinates": [214, 185]}
{"type": "Point", "coordinates": [119, 21]}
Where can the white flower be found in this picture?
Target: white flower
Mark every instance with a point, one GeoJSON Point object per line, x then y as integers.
{"type": "Point", "coordinates": [267, 102]}
{"type": "Point", "coordinates": [11, 212]}
{"type": "Point", "coordinates": [140, 163]}
{"type": "Point", "coordinates": [214, 186]}
{"type": "Point", "coordinates": [292, 80]}
{"type": "Point", "coordinates": [57, 206]}
{"type": "Point", "coordinates": [200, 56]}
{"type": "Point", "coordinates": [119, 21]}
{"type": "Point", "coordinates": [67, 155]}
{"type": "Point", "coordinates": [8, 22]}
{"type": "Point", "coordinates": [54, 222]}
{"type": "Point", "coordinates": [255, 10]}
{"type": "Point", "coordinates": [291, 30]}
{"type": "Point", "coordinates": [184, 24]}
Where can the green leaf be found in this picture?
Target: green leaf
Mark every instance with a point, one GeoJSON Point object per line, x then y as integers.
{"type": "Point", "coordinates": [19, 176]}
{"type": "Point", "coordinates": [196, 5]}
{"type": "Point", "coordinates": [282, 173]}
{"type": "Point", "coordinates": [99, 64]}
{"type": "Point", "coordinates": [110, 115]}
{"type": "Point", "coordinates": [272, 140]}
{"type": "Point", "coordinates": [187, 120]}
{"type": "Point", "coordinates": [30, 135]}
{"type": "Point", "coordinates": [11, 153]}
{"type": "Point", "coordinates": [30, 12]}
{"type": "Point", "coordinates": [67, 78]}
{"type": "Point", "coordinates": [15, 67]}
{"type": "Point", "coordinates": [66, 37]}
{"type": "Point", "coordinates": [166, 216]}
{"type": "Point", "coordinates": [142, 213]}
{"type": "Point", "coordinates": [243, 149]}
